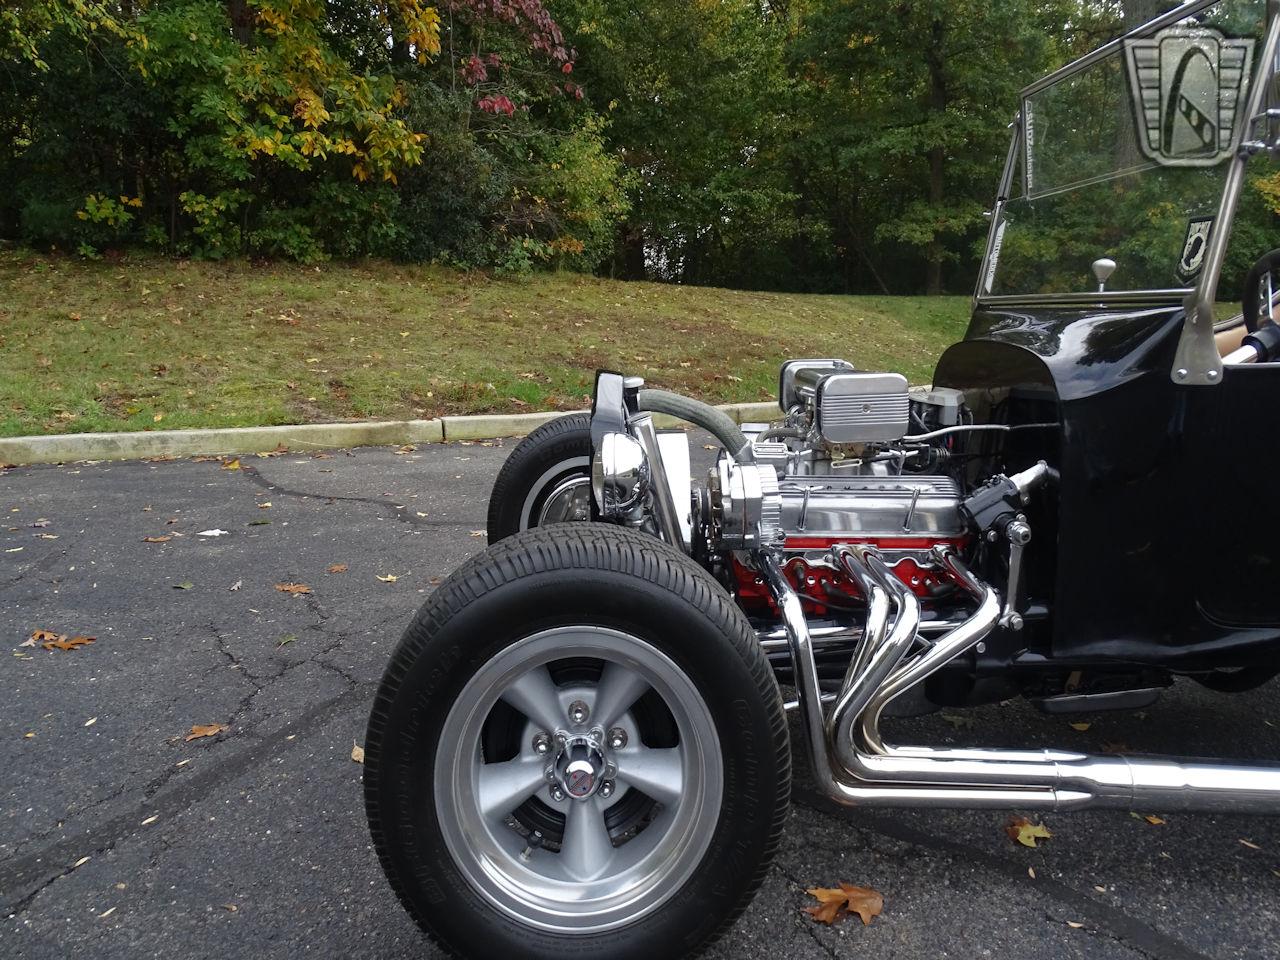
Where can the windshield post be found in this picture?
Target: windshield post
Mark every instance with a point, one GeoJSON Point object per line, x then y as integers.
{"type": "Point", "coordinates": [1197, 361]}
{"type": "Point", "coordinates": [1006, 184]}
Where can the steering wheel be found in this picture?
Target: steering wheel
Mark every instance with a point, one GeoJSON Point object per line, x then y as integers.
{"type": "Point", "coordinates": [1260, 286]}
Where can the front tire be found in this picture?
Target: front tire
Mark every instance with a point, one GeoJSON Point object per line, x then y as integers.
{"type": "Point", "coordinates": [547, 479]}
{"type": "Point", "coordinates": [628, 665]}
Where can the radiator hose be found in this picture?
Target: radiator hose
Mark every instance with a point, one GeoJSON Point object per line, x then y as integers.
{"type": "Point", "coordinates": [718, 423]}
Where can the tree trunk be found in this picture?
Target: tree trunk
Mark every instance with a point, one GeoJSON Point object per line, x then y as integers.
{"type": "Point", "coordinates": [937, 153]}
{"type": "Point", "coordinates": [633, 265]}
{"type": "Point", "coordinates": [241, 18]}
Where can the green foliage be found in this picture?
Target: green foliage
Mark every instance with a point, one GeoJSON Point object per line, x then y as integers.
{"type": "Point", "coordinates": [813, 145]}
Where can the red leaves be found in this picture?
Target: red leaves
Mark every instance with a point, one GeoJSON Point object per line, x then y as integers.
{"type": "Point", "coordinates": [495, 105]}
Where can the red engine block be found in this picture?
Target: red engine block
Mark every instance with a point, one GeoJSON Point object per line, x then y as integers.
{"type": "Point", "coordinates": [825, 589]}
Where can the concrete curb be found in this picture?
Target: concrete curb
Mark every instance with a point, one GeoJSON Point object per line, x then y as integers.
{"type": "Point", "coordinates": [63, 448]}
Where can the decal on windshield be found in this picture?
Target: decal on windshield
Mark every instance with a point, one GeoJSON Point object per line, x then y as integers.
{"type": "Point", "coordinates": [1193, 248]}
{"type": "Point", "coordinates": [1186, 85]}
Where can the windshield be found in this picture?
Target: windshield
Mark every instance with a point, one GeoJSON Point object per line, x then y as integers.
{"type": "Point", "coordinates": [1125, 157]}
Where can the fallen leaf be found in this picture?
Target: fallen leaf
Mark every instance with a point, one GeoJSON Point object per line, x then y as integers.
{"type": "Point", "coordinates": [258, 523]}
{"type": "Point", "coordinates": [1073, 925]}
{"type": "Point", "coordinates": [1023, 831]}
{"type": "Point", "coordinates": [1031, 872]}
{"type": "Point", "coordinates": [151, 819]}
{"type": "Point", "coordinates": [91, 721]}
{"type": "Point", "coordinates": [284, 640]}
{"type": "Point", "coordinates": [184, 585]}
{"type": "Point", "coordinates": [420, 513]}
{"type": "Point", "coordinates": [436, 581]}
{"type": "Point", "coordinates": [233, 464]}
{"type": "Point", "coordinates": [357, 752]}
{"type": "Point", "coordinates": [477, 533]}
{"type": "Point", "coordinates": [79, 863]}
{"type": "Point", "coordinates": [338, 568]}
{"type": "Point", "coordinates": [106, 913]}
{"type": "Point", "coordinates": [164, 539]}
{"type": "Point", "coordinates": [294, 588]}
{"type": "Point", "coordinates": [46, 536]}
{"type": "Point", "coordinates": [1250, 845]}
{"type": "Point", "coordinates": [65, 643]}
{"type": "Point", "coordinates": [215, 532]}
{"type": "Point", "coordinates": [230, 907]}
{"type": "Point", "coordinates": [863, 901]}
{"type": "Point", "coordinates": [204, 730]}
{"type": "Point", "coordinates": [388, 577]}
{"type": "Point", "coordinates": [1152, 819]}
{"type": "Point", "coordinates": [1081, 727]}
{"type": "Point", "coordinates": [265, 505]}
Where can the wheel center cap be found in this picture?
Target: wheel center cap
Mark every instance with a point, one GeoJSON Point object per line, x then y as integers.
{"type": "Point", "coordinates": [581, 767]}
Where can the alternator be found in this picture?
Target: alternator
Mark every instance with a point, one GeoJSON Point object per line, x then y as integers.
{"type": "Point", "coordinates": [746, 504]}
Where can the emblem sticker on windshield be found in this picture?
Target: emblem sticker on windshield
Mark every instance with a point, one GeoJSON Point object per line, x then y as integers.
{"type": "Point", "coordinates": [1187, 84]}
{"type": "Point", "coordinates": [1193, 248]}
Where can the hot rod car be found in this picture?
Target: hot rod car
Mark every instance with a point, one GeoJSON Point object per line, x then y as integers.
{"type": "Point", "coordinates": [581, 745]}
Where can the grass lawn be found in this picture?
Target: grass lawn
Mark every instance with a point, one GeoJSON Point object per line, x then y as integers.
{"type": "Point", "coordinates": [158, 344]}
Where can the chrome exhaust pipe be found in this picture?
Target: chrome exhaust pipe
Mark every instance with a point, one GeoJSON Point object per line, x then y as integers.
{"type": "Point", "coordinates": [869, 772]}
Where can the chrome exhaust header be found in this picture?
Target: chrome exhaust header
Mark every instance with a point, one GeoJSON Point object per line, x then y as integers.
{"type": "Point", "coordinates": [853, 765]}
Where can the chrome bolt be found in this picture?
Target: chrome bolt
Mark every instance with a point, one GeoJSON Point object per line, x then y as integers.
{"type": "Point", "coordinates": [562, 738]}
{"type": "Point", "coordinates": [550, 774]}
{"type": "Point", "coordinates": [578, 712]}
{"type": "Point", "coordinates": [617, 738]}
{"type": "Point", "coordinates": [557, 794]}
{"type": "Point", "coordinates": [541, 744]}
{"type": "Point", "coordinates": [606, 789]}
{"type": "Point", "coordinates": [1181, 374]}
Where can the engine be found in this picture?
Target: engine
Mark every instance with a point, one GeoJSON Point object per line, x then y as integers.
{"type": "Point", "coordinates": [842, 468]}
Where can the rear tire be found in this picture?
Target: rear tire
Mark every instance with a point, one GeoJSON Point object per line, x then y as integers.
{"type": "Point", "coordinates": [551, 603]}
{"type": "Point", "coordinates": [547, 479]}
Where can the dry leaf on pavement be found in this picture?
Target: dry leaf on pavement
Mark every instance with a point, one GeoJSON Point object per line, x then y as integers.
{"type": "Point", "coordinates": [165, 539]}
{"type": "Point", "coordinates": [294, 588]}
{"type": "Point", "coordinates": [204, 730]}
{"type": "Point", "coordinates": [338, 568]}
{"type": "Point", "coordinates": [231, 464]}
{"type": "Point", "coordinates": [65, 643]}
{"type": "Point", "coordinates": [1023, 831]}
{"type": "Point", "coordinates": [834, 902]}
{"type": "Point", "coordinates": [357, 752]}
{"type": "Point", "coordinates": [388, 577]}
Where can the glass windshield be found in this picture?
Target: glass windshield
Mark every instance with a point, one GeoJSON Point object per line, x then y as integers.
{"type": "Point", "coordinates": [1125, 159]}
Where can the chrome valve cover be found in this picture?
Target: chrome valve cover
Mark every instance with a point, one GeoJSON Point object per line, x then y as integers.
{"type": "Point", "coordinates": [868, 506]}
{"type": "Point", "coordinates": [862, 407]}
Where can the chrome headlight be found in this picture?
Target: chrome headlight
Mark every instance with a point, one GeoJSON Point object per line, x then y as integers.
{"type": "Point", "coordinates": [620, 477]}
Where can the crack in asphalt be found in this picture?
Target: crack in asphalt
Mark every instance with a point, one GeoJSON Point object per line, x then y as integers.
{"type": "Point", "coordinates": [19, 875]}
{"type": "Point", "coordinates": [808, 928]}
{"type": "Point", "coordinates": [1107, 920]}
{"type": "Point", "coordinates": [396, 511]}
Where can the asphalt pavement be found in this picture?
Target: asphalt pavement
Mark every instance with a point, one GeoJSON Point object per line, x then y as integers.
{"type": "Point", "coordinates": [122, 838]}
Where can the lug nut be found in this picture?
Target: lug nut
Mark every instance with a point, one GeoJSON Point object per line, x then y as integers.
{"type": "Point", "coordinates": [578, 712]}
{"type": "Point", "coordinates": [617, 738]}
{"type": "Point", "coordinates": [606, 789]}
{"type": "Point", "coordinates": [541, 744]}
{"type": "Point", "coordinates": [557, 794]}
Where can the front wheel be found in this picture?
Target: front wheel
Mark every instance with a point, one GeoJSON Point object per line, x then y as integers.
{"type": "Point", "coordinates": [547, 479]}
{"type": "Point", "coordinates": [578, 749]}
